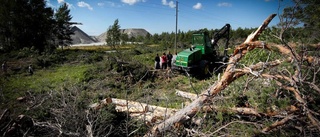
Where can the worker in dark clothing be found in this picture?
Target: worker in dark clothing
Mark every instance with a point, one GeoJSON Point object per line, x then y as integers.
{"type": "Point", "coordinates": [4, 67]}
{"type": "Point", "coordinates": [157, 62]}
{"type": "Point", "coordinates": [169, 58]}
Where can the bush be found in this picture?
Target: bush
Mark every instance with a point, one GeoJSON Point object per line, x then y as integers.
{"type": "Point", "coordinates": [47, 60]}
{"type": "Point", "coordinates": [93, 57]}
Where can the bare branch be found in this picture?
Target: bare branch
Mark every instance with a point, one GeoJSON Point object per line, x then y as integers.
{"type": "Point", "coordinates": [277, 124]}
{"type": "Point", "coordinates": [226, 125]}
{"type": "Point", "coordinates": [314, 120]}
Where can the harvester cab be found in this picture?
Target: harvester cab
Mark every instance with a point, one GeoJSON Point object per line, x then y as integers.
{"type": "Point", "coordinates": [203, 54]}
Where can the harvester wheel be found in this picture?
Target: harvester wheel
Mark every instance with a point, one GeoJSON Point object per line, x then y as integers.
{"type": "Point", "coordinates": [204, 67]}
{"type": "Point", "coordinates": [206, 70]}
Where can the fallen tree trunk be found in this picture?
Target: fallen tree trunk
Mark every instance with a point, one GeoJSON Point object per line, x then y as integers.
{"type": "Point", "coordinates": [239, 110]}
{"type": "Point", "coordinates": [193, 96]}
{"type": "Point", "coordinates": [187, 95]}
{"type": "Point", "coordinates": [132, 106]}
{"type": "Point", "coordinates": [189, 111]}
{"type": "Point", "coordinates": [139, 110]}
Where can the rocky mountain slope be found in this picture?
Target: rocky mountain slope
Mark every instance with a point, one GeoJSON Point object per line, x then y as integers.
{"type": "Point", "coordinates": [80, 37]}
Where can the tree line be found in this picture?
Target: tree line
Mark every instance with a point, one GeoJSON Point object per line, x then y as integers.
{"type": "Point", "coordinates": [295, 34]}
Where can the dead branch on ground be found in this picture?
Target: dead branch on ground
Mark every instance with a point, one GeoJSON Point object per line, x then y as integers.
{"type": "Point", "coordinates": [277, 124]}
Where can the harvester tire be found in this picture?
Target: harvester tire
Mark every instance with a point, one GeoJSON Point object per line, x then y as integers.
{"type": "Point", "coordinates": [204, 67]}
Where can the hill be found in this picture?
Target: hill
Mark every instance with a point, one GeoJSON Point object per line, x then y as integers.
{"type": "Point", "coordinates": [80, 37]}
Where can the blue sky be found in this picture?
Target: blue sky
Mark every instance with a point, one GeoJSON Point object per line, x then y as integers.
{"type": "Point", "coordinates": [157, 16]}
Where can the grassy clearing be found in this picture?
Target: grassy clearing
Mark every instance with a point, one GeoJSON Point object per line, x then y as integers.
{"type": "Point", "coordinates": [45, 79]}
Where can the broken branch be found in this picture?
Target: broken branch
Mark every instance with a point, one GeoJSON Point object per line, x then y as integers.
{"type": "Point", "coordinates": [277, 124]}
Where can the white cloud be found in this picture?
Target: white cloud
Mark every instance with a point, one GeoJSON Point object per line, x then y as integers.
{"type": "Point", "coordinates": [171, 4]}
{"type": "Point", "coordinates": [224, 4]}
{"type": "Point", "coordinates": [197, 6]}
{"type": "Point", "coordinates": [60, 1]}
{"type": "Point", "coordinates": [70, 6]}
{"type": "Point", "coordinates": [132, 2]}
{"type": "Point", "coordinates": [112, 4]}
{"type": "Point", "coordinates": [100, 4]}
{"type": "Point", "coordinates": [83, 5]}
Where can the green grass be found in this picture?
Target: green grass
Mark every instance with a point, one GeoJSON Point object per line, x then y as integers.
{"type": "Point", "coordinates": [45, 79]}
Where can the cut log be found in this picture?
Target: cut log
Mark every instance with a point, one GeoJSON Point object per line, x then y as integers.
{"type": "Point", "coordinates": [189, 111]}
{"type": "Point", "coordinates": [151, 117]}
{"type": "Point", "coordinates": [139, 110]}
{"type": "Point", "coordinates": [239, 110]}
{"type": "Point", "coordinates": [193, 96]}
{"type": "Point", "coordinates": [187, 95]}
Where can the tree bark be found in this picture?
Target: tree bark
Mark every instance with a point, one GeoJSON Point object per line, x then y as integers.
{"type": "Point", "coordinates": [139, 110]}
{"type": "Point", "coordinates": [187, 95]}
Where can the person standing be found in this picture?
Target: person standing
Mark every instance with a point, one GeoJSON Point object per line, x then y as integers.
{"type": "Point", "coordinates": [164, 61]}
{"type": "Point", "coordinates": [4, 67]}
{"type": "Point", "coordinates": [30, 70]}
{"type": "Point", "coordinates": [174, 58]}
{"type": "Point", "coordinates": [169, 58]}
{"type": "Point", "coordinates": [157, 62]}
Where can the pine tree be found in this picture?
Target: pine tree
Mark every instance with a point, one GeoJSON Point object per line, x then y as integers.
{"type": "Point", "coordinates": [113, 35]}
{"type": "Point", "coordinates": [41, 25]}
{"type": "Point", "coordinates": [63, 25]}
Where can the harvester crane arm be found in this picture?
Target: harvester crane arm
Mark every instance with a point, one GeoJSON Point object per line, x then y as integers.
{"type": "Point", "coordinates": [224, 31]}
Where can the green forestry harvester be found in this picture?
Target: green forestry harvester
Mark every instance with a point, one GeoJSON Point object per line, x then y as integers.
{"type": "Point", "coordinates": [203, 53]}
